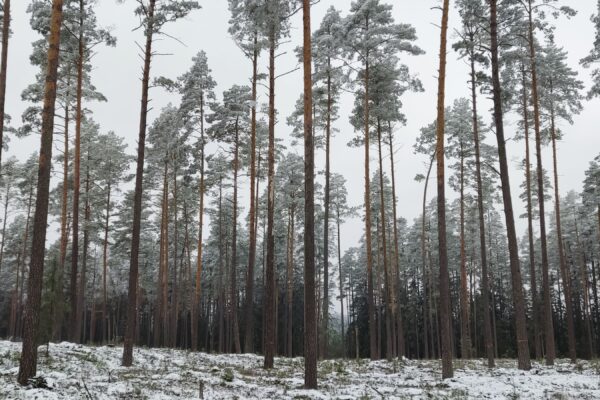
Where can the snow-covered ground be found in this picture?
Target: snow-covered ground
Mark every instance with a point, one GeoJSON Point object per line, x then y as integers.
{"type": "Point", "coordinates": [82, 372]}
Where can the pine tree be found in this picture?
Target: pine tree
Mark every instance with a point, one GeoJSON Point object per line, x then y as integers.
{"type": "Point", "coordinates": [446, 318]}
{"type": "Point", "coordinates": [154, 14]}
{"type": "Point", "coordinates": [369, 33]}
{"type": "Point", "coordinates": [524, 361]}
{"type": "Point", "coordinates": [28, 363]}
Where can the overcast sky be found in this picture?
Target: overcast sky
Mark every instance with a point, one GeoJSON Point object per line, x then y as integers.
{"type": "Point", "coordinates": [117, 73]}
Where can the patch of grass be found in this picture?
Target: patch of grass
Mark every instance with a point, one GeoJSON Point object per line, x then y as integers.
{"type": "Point", "coordinates": [227, 375]}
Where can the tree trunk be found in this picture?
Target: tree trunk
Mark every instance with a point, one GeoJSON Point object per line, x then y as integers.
{"type": "Point", "coordinates": [234, 292]}
{"type": "Point", "coordinates": [485, 285]}
{"type": "Point", "coordinates": [368, 238]}
{"type": "Point", "coordinates": [3, 67]}
{"type": "Point", "coordinates": [137, 201]}
{"type": "Point", "coordinates": [310, 318]}
{"type": "Point", "coordinates": [339, 249]}
{"type": "Point", "coordinates": [445, 316]}
{"type": "Point", "coordinates": [532, 273]}
{"type": "Point", "coordinates": [548, 324]}
{"type": "Point", "coordinates": [249, 305]}
{"type": "Point", "coordinates": [103, 336]}
{"type": "Point", "coordinates": [388, 282]}
{"type": "Point", "coordinates": [31, 320]}
{"type": "Point", "coordinates": [76, 330]}
{"type": "Point", "coordinates": [290, 282]}
{"type": "Point", "coordinates": [80, 310]}
{"type": "Point", "coordinates": [426, 303]}
{"type": "Point", "coordinates": [64, 235]}
{"type": "Point", "coordinates": [396, 310]}
{"type": "Point", "coordinates": [524, 361]}
{"type": "Point", "coordinates": [270, 267]}
{"type": "Point", "coordinates": [565, 274]}
{"type": "Point", "coordinates": [465, 334]}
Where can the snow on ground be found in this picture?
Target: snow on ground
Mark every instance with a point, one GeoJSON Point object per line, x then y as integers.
{"type": "Point", "coordinates": [82, 372]}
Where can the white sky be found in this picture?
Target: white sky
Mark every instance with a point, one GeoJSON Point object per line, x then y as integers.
{"type": "Point", "coordinates": [118, 70]}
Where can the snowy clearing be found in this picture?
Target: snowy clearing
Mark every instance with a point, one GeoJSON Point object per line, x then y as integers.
{"type": "Point", "coordinates": [82, 372]}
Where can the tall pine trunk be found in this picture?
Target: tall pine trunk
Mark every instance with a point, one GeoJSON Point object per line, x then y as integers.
{"type": "Point", "coordinates": [57, 321]}
{"type": "Point", "coordinates": [249, 304]}
{"type": "Point", "coordinates": [445, 316]}
{"type": "Point", "coordinates": [388, 282]}
{"type": "Point", "coordinates": [137, 200]}
{"type": "Point", "coordinates": [524, 361]}
{"type": "Point", "coordinates": [103, 336]}
{"type": "Point", "coordinates": [3, 68]}
{"type": "Point", "coordinates": [530, 233]}
{"type": "Point", "coordinates": [31, 320]}
{"type": "Point", "coordinates": [75, 329]}
{"type": "Point", "coordinates": [234, 292]}
{"type": "Point", "coordinates": [565, 274]}
{"type": "Point", "coordinates": [310, 317]}
{"type": "Point", "coordinates": [485, 285]}
{"type": "Point", "coordinates": [270, 327]}
{"type": "Point", "coordinates": [465, 334]}
{"type": "Point", "coordinates": [396, 310]}
{"type": "Point", "coordinates": [548, 323]}
{"type": "Point", "coordinates": [198, 284]}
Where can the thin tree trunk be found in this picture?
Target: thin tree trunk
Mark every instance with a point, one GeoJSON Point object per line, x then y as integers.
{"type": "Point", "coordinates": [64, 236]}
{"type": "Point", "coordinates": [31, 320]}
{"type": "Point", "coordinates": [339, 249]}
{"type": "Point", "coordinates": [445, 316]}
{"type": "Point", "coordinates": [368, 239]}
{"type": "Point", "coordinates": [530, 233]}
{"type": "Point", "coordinates": [485, 285]}
{"type": "Point", "coordinates": [137, 201]}
{"type": "Point", "coordinates": [105, 263]}
{"type": "Point", "coordinates": [234, 292]}
{"type": "Point", "coordinates": [524, 361]}
{"type": "Point", "coordinates": [310, 318]}
{"type": "Point", "coordinates": [76, 330]}
{"type": "Point", "coordinates": [289, 283]}
{"type": "Point", "coordinates": [325, 326]}
{"type": "Point", "coordinates": [80, 310]}
{"type": "Point", "coordinates": [396, 310]}
{"type": "Point", "coordinates": [548, 324]}
{"type": "Point", "coordinates": [565, 274]}
{"type": "Point", "coordinates": [3, 67]}
{"type": "Point", "coordinates": [388, 282]}
{"type": "Point", "coordinates": [465, 333]}
{"type": "Point", "coordinates": [426, 303]}
{"type": "Point", "coordinates": [270, 299]}
{"type": "Point", "coordinates": [198, 288]}
{"type": "Point", "coordinates": [249, 305]}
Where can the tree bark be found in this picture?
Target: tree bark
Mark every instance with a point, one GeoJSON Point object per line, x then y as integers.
{"type": "Point", "coordinates": [137, 201]}
{"type": "Point", "coordinates": [396, 310]}
{"type": "Point", "coordinates": [565, 274]}
{"type": "Point", "coordinates": [3, 68]}
{"type": "Point", "coordinates": [234, 293]}
{"type": "Point", "coordinates": [485, 285]}
{"type": "Point", "coordinates": [388, 282]}
{"type": "Point", "coordinates": [445, 316]}
{"type": "Point", "coordinates": [249, 306]}
{"type": "Point", "coordinates": [310, 317]}
{"type": "Point", "coordinates": [530, 233]}
{"type": "Point", "coordinates": [465, 334]}
{"type": "Point", "coordinates": [80, 310]}
{"type": "Point", "coordinates": [524, 361]}
{"type": "Point", "coordinates": [548, 323]}
{"type": "Point", "coordinates": [270, 267]}
{"type": "Point", "coordinates": [198, 287]}
{"type": "Point", "coordinates": [31, 320]}
{"type": "Point", "coordinates": [75, 329]}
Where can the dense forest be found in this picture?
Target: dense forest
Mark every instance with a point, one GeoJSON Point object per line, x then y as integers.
{"type": "Point", "coordinates": [220, 232]}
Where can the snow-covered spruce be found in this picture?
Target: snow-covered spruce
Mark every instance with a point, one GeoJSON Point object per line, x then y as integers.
{"type": "Point", "coordinates": [81, 372]}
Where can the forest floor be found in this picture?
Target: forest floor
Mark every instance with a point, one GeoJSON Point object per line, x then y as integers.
{"type": "Point", "coordinates": [73, 371]}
